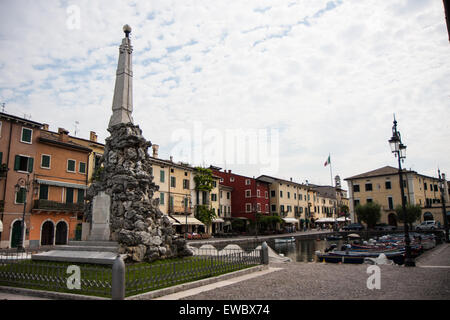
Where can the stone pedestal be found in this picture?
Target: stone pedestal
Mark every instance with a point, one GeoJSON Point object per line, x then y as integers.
{"type": "Point", "coordinates": [100, 230]}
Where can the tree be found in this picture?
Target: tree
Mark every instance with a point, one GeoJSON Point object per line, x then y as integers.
{"type": "Point", "coordinates": [204, 182]}
{"type": "Point", "coordinates": [370, 213]}
{"type": "Point", "coordinates": [269, 222]}
{"type": "Point", "coordinates": [413, 213]}
{"type": "Point", "coordinates": [344, 210]}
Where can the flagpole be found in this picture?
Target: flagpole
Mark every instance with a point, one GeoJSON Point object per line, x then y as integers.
{"type": "Point", "coordinates": [331, 170]}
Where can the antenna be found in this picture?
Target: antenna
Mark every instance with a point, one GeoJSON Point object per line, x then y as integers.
{"type": "Point", "coordinates": [76, 128]}
{"type": "Point", "coordinates": [3, 107]}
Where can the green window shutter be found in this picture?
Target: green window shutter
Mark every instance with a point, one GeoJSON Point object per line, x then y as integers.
{"type": "Point", "coordinates": [162, 176]}
{"type": "Point", "coordinates": [161, 198]}
{"type": "Point", "coordinates": [69, 195]}
{"type": "Point", "coordinates": [80, 196]}
{"type": "Point", "coordinates": [20, 196]}
{"type": "Point", "coordinates": [1, 157]}
{"type": "Point", "coordinates": [26, 135]}
{"type": "Point", "coordinates": [43, 192]}
{"type": "Point", "coordinates": [30, 164]}
{"type": "Point", "coordinates": [17, 163]}
{"type": "Point", "coordinates": [45, 163]}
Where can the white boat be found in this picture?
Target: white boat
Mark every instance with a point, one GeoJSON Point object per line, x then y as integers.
{"type": "Point", "coordinates": [282, 240]}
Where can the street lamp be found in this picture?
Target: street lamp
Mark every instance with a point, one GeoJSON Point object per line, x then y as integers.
{"type": "Point", "coordinates": [444, 210]}
{"type": "Point", "coordinates": [399, 149]}
{"type": "Point", "coordinates": [22, 184]}
{"type": "Point", "coordinates": [185, 202]}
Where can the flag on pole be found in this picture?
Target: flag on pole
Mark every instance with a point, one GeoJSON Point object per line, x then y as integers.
{"type": "Point", "coordinates": [327, 162]}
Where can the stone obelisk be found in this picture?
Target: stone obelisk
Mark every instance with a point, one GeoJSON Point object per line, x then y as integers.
{"type": "Point", "coordinates": [143, 232]}
{"type": "Point", "coordinates": [122, 106]}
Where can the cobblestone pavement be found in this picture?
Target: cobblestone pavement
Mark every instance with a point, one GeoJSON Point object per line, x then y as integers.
{"type": "Point", "coordinates": [300, 281]}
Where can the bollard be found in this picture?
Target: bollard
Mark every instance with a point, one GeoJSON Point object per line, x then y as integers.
{"type": "Point", "coordinates": [118, 279]}
{"type": "Point", "coordinates": [264, 253]}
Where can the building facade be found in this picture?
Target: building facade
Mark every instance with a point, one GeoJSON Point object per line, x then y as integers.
{"type": "Point", "coordinates": [383, 187]}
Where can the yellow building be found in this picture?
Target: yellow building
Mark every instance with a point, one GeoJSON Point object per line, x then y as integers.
{"type": "Point", "coordinates": [383, 187]}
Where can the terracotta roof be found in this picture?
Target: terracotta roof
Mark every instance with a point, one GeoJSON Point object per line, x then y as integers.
{"type": "Point", "coordinates": [53, 138]}
{"type": "Point", "coordinates": [384, 171]}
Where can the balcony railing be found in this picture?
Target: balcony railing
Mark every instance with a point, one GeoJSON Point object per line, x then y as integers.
{"type": "Point", "coordinates": [57, 206]}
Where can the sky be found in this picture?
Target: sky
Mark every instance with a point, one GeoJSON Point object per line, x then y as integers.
{"type": "Point", "coordinates": [256, 87]}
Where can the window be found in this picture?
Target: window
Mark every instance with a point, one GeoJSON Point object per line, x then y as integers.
{"type": "Point", "coordinates": [221, 179]}
{"type": "Point", "coordinates": [161, 176]}
{"type": "Point", "coordinates": [228, 195]}
{"type": "Point", "coordinates": [161, 198]}
{"type": "Point", "coordinates": [368, 187]}
{"type": "Point", "coordinates": [82, 168]}
{"type": "Point", "coordinates": [356, 202]}
{"type": "Point", "coordinates": [266, 194]}
{"type": "Point", "coordinates": [231, 179]}
{"type": "Point", "coordinates": [247, 182]}
{"type": "Point", "coordinates": [289, 195]}
{"type": "Point", "coordinates": [214, 184]}
{"type": "Point", "coordinates": [43, 192]}
{"type": "Point", "coordinates": [171, 170]}
{"type": "Point", "coordinates": [258, 193]}
{"type": "Point", "coordinates": [369, 200]}
{"type": "Point", "coordinates": [274, 208]}
{"type": "Point", "coordinates": [173, 182]}
{"type": "Point", "coordinates": [23, 163]}
{"type": "Point", "coordinates": [71, 165]}
{"type": "Point", "coordinates": [20, 196]}
{"type": "Point", "coordinates": [282, 208]}
{"type": "Point", "coordinates": [248, 207]}
{"type": "Point", "coordinates": [281, 194]}
{"type": "Point", "coordinates": [27, 135]}
{"type": "Point", "coordinates": [45, 161]}
{"type": "Point", "coordinates": [435, 187]}
{"type": "Point", "coordinates": [356, 188]}
{"type": "Point", "coordinates": [80, 196]}
{"type": "Point", "coordinates": [300, 209]}
{"type": "Point", "coordinates": [295, 196]}
{"type": "Point", "coordinates": [425, 186]}
{"type": "Point", "coordinates": [185, 184]}
{"type": "Point", "coordinates": [388, 185]}
{"type": "Point", "coordinates": [272, 193]}
{"type": "Point", "coordinates": [390, 203]}
{"type": "Point", "coordinates": [289, 209]}
{"type": "Point", "coordinates": [69, 195]}
{"type": "Point", "coordinates": [213, 197]}
{"type": "Point", "coordinates": [258, 207]}
{"type": "Point", "coordinates": [185, 174]}
{"type": "Point", "coordinates": [300, 196]}
{"type": "Point", "coordinates": [248, 193]}
{"type": "Point", "coordinates": [267, 208]}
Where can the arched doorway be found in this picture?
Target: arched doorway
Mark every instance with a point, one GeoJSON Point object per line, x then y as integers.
{"type": "Point", "coordinates": [61, 233]}
{"type": "Point", "coordinates": [47, 233]}
{"type": "Point", "coordinates": [16, 233]}
{"type": "Point", "coordinates": [428, 216]}
{"type": "Point", "coordinates": [392, 219]}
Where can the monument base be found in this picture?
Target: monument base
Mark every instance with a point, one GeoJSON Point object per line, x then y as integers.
{"type": "Point", "coordinates": [91, 252]}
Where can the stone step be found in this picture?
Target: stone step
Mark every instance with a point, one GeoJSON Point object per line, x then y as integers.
{"type": "Point", "coordinates": [91, 257]}
{"type": "Point", "coordinates": [91, 243]}
{"type": "Point", "coordinates": [89, 248]}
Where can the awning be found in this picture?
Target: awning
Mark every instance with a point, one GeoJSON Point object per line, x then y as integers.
{"type": "Point", "coordinates": [290, 220]}
{"type": "Point", "coordinates": [228, 223]}
{"type": "Point", "coordinates": [218, 220]}
{"type": "Point", "coordinates": [1, 226]}
{"type": "Point", "coordinates": [62, 184]}
{"type": "Point", "coordinates": [173, 221]}
{"type": "Point", "coordinates": [325, 220]}
{"type": "Point", "coordinates": [343, 219]}
{"type": "Point", "coordinates": [190, 220]}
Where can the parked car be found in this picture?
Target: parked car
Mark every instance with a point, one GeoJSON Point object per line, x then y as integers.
{"type": "Point", "coordinates": [353, 226]}
{"type": "Point", "coordinates": [428, 225]}
{"type": "Point", "coordinates": [384, 227]}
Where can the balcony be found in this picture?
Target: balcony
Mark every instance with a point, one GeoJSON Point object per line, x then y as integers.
{"type": "Point", "coordinates": [47, 205]}
{"type": "Point", "coordinates": [3, 170]}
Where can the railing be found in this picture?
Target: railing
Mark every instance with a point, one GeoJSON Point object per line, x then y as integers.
{"type": "Point", "coordinates": [57, 206]}
{"type": "Point", "coordinates": [18, 270]}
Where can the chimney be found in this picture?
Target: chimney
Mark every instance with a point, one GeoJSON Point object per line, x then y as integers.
{"type": "Point", "coordinates": [63, 135]}
{"type": "Point", "coordinates": [229, 171]}
{"type": "Point", "coordinates": [155, 148]}
{"type": "Point", "coordinates": [291, 179]}
{"type": "Point", "coordinates": [93, 136]}
{"type": "Point", "coordinates": [171, 159]}
{"type": "Point", "coordinates": [45, 126]}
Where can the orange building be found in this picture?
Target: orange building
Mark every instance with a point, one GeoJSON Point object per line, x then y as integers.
{"type": "Point", "coordinates": [56, 170]}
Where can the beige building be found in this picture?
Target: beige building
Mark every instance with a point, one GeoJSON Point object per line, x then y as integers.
{"type": "Point", "coordinates": [383, 187]}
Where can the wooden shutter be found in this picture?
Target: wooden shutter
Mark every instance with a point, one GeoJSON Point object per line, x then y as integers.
{"type": "Point", "coordinates": [43, 192]}
{"type": "Point", "coordinates": [30, 164]}
{"type": "Point", "coordinates": [69, 195]}
{"type": "Point", "coordinates": [17, 163]}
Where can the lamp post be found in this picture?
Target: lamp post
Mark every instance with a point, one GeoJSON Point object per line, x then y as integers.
{"type": "Point", "coordinates": [444, 210]}
{"type": "Point", "coordinates": [399, 149]}
{"type": "Point", "coordinates": [22, 184]}
{"type": "Point", "coordinates": [185, 202]}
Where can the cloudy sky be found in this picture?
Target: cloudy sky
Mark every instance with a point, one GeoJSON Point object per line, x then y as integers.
{"type": "Point", "coordinates": [289, 81]}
